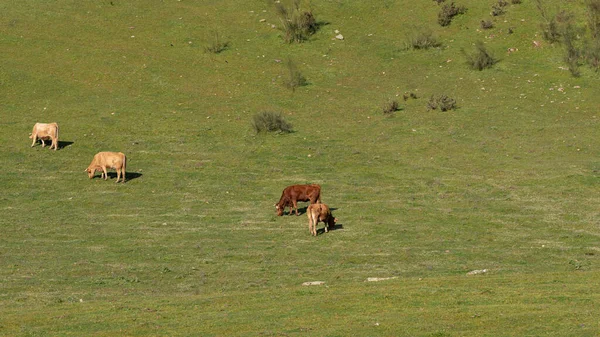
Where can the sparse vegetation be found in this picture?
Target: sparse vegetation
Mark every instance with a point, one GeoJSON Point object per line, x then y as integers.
{"type": "Point", "coordinates": [191, 244]}
{"type": "Point", "coordinates": [499, 8]}
{"type": "Point", "coordinates": [481, 58]}
{"type": "Point", "coordinates": [448, 12]}
{"type": "Point", "coordinates": [216, 45]}
{"type": "Point", "coordinates": [515, 2]}
{"type": "Point", "coordinates": [270, 122]}
{"type": "Point", "coordinates": [487, 24]}
{"type": "Point", "coordinates": [422, 40]}
{"type": "Point", "coordinates": [294, 77]}
{"type": "Point", "coordinates": [298, 23]}
{"type": "Point", "coordinates": [441, 102]}
{"type": "Point", "coordinates": [390, 107]}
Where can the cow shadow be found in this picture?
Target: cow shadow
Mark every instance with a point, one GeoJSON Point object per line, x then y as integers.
{"type": "Point", "coordinates": [334, 228]}
{"type": "Point", "coordinates": [128, 175]}
{"type": "Point", "coordinates": [62, 144]}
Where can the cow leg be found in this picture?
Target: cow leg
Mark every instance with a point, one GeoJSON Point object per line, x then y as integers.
{"type": "Point", "coordinates": [295, 206]}
{"type": "Point", "coordinates": [55, 144]}
{"type": "Point", "coordinates": [118, 176]}
{"type": "Point", "coordinates": [105, 174]}
{"type": "Point", "coordinates": [34, 140]}
{"type": "Point", "coordinates": [43, 144]}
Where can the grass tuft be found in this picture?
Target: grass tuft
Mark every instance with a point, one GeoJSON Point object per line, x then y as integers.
{"type": "Point", "coordinates": [270, 122]}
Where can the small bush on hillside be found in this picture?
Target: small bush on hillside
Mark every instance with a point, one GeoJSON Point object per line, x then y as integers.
{"type": "Point", "coordinates": [481, 58]}
{"type": "Point", "coordinates": [412, 95]}
{"type": "Point", "coordinates": [572, 53]}
{"type": "Point", "coordinates": [298, 24]}
{"type": "Point", "coordinates": [593, 17]}
{"type": "Point", "coordinates": [295, 78]}
{"type": "Point", "coordinates": [216, 45]}
{"type": "Point", "coordinates": [442, 102]}
{"type": "Point", "coordinates": [439, 1]}
{"type": "Point", "coordinates": [499, 8]}
{"type": "Point", "coordinates": [592, 54]}
{"type": "Point", "coordinates": [422, 40]}
{"type": "Point", "coordinates": [270, 122]}
{"type": "Point", "coordinates": [515, 2]}
{"type": "Point", "coordinates": [448, 12]}
{"type": "Point", "coordinates": [390, 107]}
{"type": "Point", "coordinates": [487, 24]}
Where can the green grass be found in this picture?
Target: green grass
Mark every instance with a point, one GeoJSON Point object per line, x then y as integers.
{"type": "Point", "coordinates": [190, 244]}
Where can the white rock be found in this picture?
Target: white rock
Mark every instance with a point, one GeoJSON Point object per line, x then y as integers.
{"type": "Point", "coordinates": [377, 279]}
{"type": "Point", "coordinates": [476, 272]}
{"type": "Point", "coordinates": [339, 37]}
{"type": "Point", "coordinates": [313, 283]}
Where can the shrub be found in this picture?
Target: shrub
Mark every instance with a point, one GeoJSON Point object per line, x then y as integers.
{"type": "Point", "coordinates": [390, 107]}
{"type": "Point", "coordinates": [448, 12]}
{"type": "Point", "coordinates": [592, 54]}
{"type": "Point", "coordinates": [572, 53]}
{"type": "Point", "coordinates": [442, 102]}
{"type": "Point", "coordinates": [593, 17]}
{"type": "Point", "coordinates": [270, 122]}
{"type": "Point", "coordinates": [216, 45]}
{"type": "Point", "coordinates": [487, 24]}
{"type": "Point", "coordinates": [481, 58]}
{"type": "Point", "coordinates": [439, 1]}
{"type": "Point", "coordinates": [515, 2]}
{"type": "Point", "coordinates": [422, 40]}
{"type": "Point", "coordinates": [499, 8]}
{"type": "Point", "coordinates": [298, 24]}
{"type": "Point", "coordinates": [295, 78]}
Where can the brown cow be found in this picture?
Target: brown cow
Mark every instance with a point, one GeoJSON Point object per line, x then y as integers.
{"type": "Point", "coordinates": [104, 160]}
{"type": "Point", "coordinates": [319, 212]}
{"type": "Point", "coordinates": [43, 131]}
{"type": "Point", "coordinates": [292, 194]}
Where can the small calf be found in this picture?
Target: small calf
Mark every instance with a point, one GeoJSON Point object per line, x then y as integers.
{"type": "Point", "coordinates": [319, 212]}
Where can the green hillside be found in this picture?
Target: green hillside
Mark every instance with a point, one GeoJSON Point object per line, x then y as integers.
{"type": "Point", "coordinates": [482, 220]}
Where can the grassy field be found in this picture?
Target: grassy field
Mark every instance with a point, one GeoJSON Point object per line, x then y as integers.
{"type": "Point", "coordinates": [190, 245]}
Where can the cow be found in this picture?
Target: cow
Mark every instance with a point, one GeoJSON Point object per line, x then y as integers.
{"type": "Point", "coordinates": [104, 160]}
{"type": "Point", "coordinates": [319, 213]}
{"type": "Point", "coordinates": [292, 194]}
{"type": "Point", "coordinates": [44, 131]}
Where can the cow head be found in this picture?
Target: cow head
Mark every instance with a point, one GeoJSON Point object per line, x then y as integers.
{"type": "Point", "coordinates": [331, 222]}
{"type": "Point", "coordinates": [90, 172]}
{"type": "Point", "coordinates": [279, 209]}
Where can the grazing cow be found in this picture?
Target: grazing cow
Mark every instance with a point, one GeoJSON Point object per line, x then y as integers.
{"type": "Point", "coordinates": [319, 212]}
{"type": "Point", "coordinates": [43, 131]}
{"type": "Point", "coordinates": [104, 160]}
{"type": "Point", "coordinates": [292, 194]}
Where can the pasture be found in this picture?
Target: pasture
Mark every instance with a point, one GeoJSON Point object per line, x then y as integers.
{"type": "Point", "coordinates": [190, 245]}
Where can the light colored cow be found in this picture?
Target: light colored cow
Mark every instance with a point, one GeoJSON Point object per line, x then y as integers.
{"type": "Point", "coordinates": [44, 131]}
{"type": "Point", "coordinates": [104, 160]}
{"type": "Point", "coordinates": [322, 213]}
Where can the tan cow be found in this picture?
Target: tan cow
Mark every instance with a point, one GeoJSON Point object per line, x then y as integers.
{"type": "Point", "coordinates": [104, 160]}
{"type": "Point", "coordinates": [43, 131]}
{"type": "Point", "coordinates": [319, 212]}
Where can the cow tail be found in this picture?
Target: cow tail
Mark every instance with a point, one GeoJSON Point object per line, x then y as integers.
{"type": "Point", "coordinates": [124, 164]}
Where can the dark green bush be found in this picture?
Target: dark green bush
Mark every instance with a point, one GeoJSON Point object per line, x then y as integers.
{"type": "Point", "coordinates": [295, 78]}
{"type": "Point", "coordinates": [216, 45]}
{"type": "Point", "coordinates": [487, 24]}
{"type": "Point", "coordinates": [422, 40]}
{"type": "Point", "coordinates": [390, 107]}
{"type": "Point", "coordinates": [481, 58]}
{"type": "Point", "coordinates": [298, 24]}
{"type": "Point", "coordinates": [442, 102]}
{"type": "Point", "coordinates": [448, 12]}
{"type": "Point", "coordinates": [499, 8]}
{"type": "Point", "coordinates": [270, 122]}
